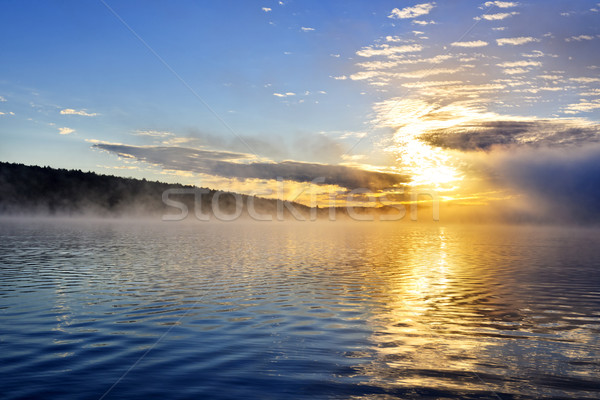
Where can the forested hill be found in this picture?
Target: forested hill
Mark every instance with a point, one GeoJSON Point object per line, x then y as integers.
{"type": "Point", "coordinates": [48, 191]}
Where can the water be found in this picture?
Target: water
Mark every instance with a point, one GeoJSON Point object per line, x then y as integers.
{"type": "Point", "coordinates": [93, 310]}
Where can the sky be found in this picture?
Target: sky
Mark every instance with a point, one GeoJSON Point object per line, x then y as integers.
{"type": "Point", "coordinates": [481, 102]}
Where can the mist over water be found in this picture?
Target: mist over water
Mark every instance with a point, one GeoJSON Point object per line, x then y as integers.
{"type": "Point", "coordinates": [300, 310]}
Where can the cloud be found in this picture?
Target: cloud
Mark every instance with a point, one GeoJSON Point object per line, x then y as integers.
{"type": "Point", "coordinates": [387, 50]}
{"type": "Point", "coordinates": [500, 4]}
{"type": "Point", "coordinates": [419, 22]}
{"type": "Point", "coordinates": [515, 71]}
{"type": "Point", "coordinates": [306, 29]}
{"type": "Point", "coordinates": [152, 133]}
{"type": "Point", "coordinates": [412, 12]}
{"type": "Point", "coordinates": [84, 113]}
{"type": "Point", "coordinates": [584, 79]}
{"type": "Point", "coordinates": [284, 94]}
{"type": "Point", "coordinates": [523, 63]}
{"type": "Point", "coordinates": [582, 106]}
{"type": "Point", "coordinates": [534, 54]}
{"type": "Point", "coordinates": [498, 16]}
{"type": "Point", "coordinates": [422, 73]}
{"type": "Point", "coordinates": [479, 134]}
{"type": "Point", "coordinates": [65, 131]}
{"type": "Point", "coordinates": [266, 9]}
{"type": "Point", "coordinates": [474, 43]}
{"type": "Point", "coordinates": [579, 38]}
{"type": "Point", "coordinates": [558, 184]}
{"type": "Point", "coordinates": [516, 40]}
{"type": "Point", "coordinates": [228, 165]}
{"type": "Point", "coordinates": [2, 99]}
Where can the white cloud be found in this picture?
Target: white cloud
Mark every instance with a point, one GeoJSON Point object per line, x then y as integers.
{"type": "Point", "coordinates": [364, 75]}
{"type": "Point", "coordinates": [65, 131]}
{"type": "Point", "coordinates": [387, 50]}
{"type": "Point", "coordinates": [2, 99]}
{"type": "Point", "coordinates": [305, 29]}
{"type": "Point", "coordinates": [550, 77]}
{"type": "Point", "coordinates": [582, 106]}
{"type": "Point", "coordinates": [396, 39]}
{"type": "Point", "coordinates": [591, 92]}
{"type": "Point", "coordinates": [412, 12]}
{"type": "Point", "coordinates": [428, 72]}
{"type": "Point", "coordinates": [284, 94]}
{"type": "Point", "coordinates": [335, 55]}
{"type": "Point", "coordinates": [500, 4]}
{"type": "Point", "coordinates": [419, 22]}
{"type": "Point", "coordinates": [514, 71]}
{"type": "Point", "coordinates": [584, 79]}
{"type": "Point", "coordinates": [579, 38]}
{"type": "Point", "coordinates": [153, 133]}
{"type": "Point", "coordinates": [534, 54]}
{"type": "Point", "coordinates": [474, 43]}
{"type": "Point", "coordinates": [428, 84]}
{"type": "Point", "coordinates": [340, 78]}
{"type": "Point", "coordinates": [498, 16]}
{"type": "Point", "coordinates": [523, 63]}
{"type": "Point", "coordinates": [516, 40]}
{"type": "Point", "coordinates": [499, 28]}
{"type": "Point", "coordinates": [432, 60]}
{"type": "Point", "coordinates": [70, 111]}
{"type": "Point", "coordinates": [8, 113]}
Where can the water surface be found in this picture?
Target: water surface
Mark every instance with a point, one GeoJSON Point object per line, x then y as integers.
{"type": "Point", "coordinates": [115, 310]}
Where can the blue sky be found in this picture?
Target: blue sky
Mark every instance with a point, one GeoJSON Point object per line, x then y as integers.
{"type": "Point", "coordinates": [234, 94]}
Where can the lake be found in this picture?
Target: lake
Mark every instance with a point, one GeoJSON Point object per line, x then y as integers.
{"type": "Point", "coordinates": [138, 310]}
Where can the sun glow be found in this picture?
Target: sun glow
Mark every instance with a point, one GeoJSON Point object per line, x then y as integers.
{"type": "Point", "coordinates": [428, 165]}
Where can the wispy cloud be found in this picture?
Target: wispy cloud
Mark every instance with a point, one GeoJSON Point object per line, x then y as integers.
{"type": "Point", "coordinates": [65, 131]}
{"type": "Point", "coordinates": [585, 79]}
{"type": "Point", "coordinates": [387, 50]}
{"type": "Point", "coordinates": [153, 133]}
{"type": "Point", "coordinates": [498, 16]}
{"type": "Point", "coordinates": [522, 63]}
{"type": "Point", "coordinates": [71, 111]}
{"type": "Point", "coordinates": [516, 41]}
{"type": "Point", "coordinates": [500, 4]}
{"type": "Point", "coordinates": [2, 99]}
{"type": "Point", "coordinates": [284, 94]}
{"type": "Point", "coordinates": [579, 38]}
{"type": "Point", "coordinates": [412, 12]}
{"type": "Point", "coordinates": [307, 29]}
{"type": "Point", "coordinates": [514, 71]}
{"type": "Point", "coordinates": [582, 106]}
{"type": "Point", "coordinates": [423, 22]}
{"type": "Point", "coordinates": [474, 43]}
{"type": "Point", "coordinates": [266, 9]}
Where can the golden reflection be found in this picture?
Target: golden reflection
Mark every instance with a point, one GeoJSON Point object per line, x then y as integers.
{"type": "Point", "coordinates": [417, 329]}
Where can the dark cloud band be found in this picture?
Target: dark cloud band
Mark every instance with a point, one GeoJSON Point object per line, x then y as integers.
{"type": "Point", "coordinates": [223, 164]}
{"type": "Point", "coordinates": [484, 135]}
